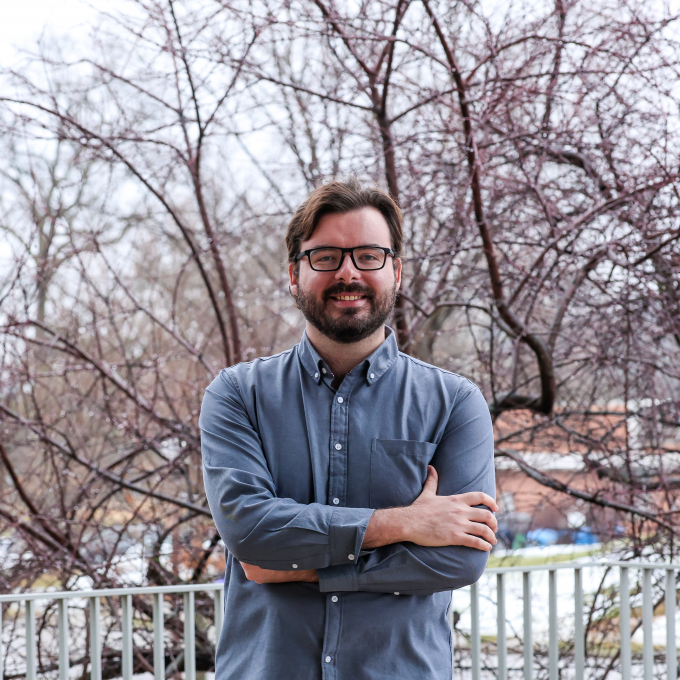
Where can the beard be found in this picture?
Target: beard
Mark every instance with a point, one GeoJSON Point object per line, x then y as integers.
{"type": "Point", "coordinates": [351, 325]}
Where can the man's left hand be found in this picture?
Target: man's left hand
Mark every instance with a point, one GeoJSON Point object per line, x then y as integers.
{"type": "Point", "coordinates": [260, 575]}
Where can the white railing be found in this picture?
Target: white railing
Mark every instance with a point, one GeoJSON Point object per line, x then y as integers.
{"type": "Point", "coordinates": [577, 633]}
{"type": "Point", "coordinates": [94, 598]}
{"type": "Point", "coordinates": [491, 605]}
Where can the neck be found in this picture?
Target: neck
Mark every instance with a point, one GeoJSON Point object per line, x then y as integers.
{"type": "Point", "coordinates": [343, 357]}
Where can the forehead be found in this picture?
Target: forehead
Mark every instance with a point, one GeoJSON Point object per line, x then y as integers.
{"type": "Point", "coordinates": [346, 230]}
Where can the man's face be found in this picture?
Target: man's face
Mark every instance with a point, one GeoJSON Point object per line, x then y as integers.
{"type": "Point", "coordinates": [323, 296]}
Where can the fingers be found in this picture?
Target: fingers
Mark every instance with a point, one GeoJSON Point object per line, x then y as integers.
{"type": "Point", "coordinates": [432, 481]}
{"type": "Point", "coordinates": [478, 529]}
{"type": "Point", "coordinates": [484, 516]}
{"type": "Point", "coordinates": [479, 498]}
{"type": "Point", "coordinates": [474, 542]}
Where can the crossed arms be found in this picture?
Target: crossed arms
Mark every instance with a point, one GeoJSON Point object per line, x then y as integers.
{"type": "Point", "coordinates": [439, 542]}
{"type": "Point", "coordinates": [431, 521]}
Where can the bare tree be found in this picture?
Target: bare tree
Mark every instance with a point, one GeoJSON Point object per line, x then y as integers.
{"type": "Point", "coordinates": [538, 199]}
{"type": "Point", "coordinates": [120, 307]}
{"type": "Point", "coordinates": [534, 152]}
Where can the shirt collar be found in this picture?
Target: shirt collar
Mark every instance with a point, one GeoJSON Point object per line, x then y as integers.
{"type": "Point", "coordinates": [373, 367]}
{"type": "Point", "coordinates": [310, 359]}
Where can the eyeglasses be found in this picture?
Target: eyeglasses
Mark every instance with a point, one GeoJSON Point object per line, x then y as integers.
{"type": "Point", "coordinates": [364, 258]}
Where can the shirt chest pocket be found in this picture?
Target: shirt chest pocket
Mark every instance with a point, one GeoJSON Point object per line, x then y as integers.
{"type": "Point", "coordinates": [398, 471]}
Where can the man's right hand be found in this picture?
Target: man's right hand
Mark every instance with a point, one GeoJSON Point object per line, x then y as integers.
{"type": "Point", "coordinates": [436, 521]}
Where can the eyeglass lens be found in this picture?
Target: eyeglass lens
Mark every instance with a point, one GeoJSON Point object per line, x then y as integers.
{"type": "Point", "coordinates": [329, 259]}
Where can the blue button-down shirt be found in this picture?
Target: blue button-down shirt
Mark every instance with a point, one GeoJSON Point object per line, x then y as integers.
{"type": "Point", "coordinates": [293, 470]}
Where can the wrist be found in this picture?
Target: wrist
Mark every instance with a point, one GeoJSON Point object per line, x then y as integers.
{"type": "Point", "coordinates": [307, 576]}
{"type": "Point", "coordinates": [387, 526]}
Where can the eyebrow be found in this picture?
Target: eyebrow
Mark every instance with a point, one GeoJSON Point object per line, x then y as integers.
{"type": "Point", "coordinates": [363, 245]}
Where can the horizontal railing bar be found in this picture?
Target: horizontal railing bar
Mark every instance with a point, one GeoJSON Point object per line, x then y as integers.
{"type": "Point", "coordinates": [539, 567]}
{"type": "Point", "coordinates": [109, 592]}
{"type": "Point", "coordinates": [579, 565]}
{"type": "Point", "coordinates": [641, 565]}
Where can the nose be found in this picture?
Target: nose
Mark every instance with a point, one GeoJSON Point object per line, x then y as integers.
{"type": "Point", "coordinates": [347, 272]}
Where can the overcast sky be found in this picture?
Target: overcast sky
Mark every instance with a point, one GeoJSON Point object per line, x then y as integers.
{"type": "Point", "coordinates": [23, 21]}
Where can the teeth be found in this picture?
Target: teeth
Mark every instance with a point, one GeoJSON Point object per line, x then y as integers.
{"type": "Point", "coordinates": [348, 297]}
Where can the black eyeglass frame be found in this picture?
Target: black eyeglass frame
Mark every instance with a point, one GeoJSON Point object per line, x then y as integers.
{"type": "Point", "coordinates": [308, 254]}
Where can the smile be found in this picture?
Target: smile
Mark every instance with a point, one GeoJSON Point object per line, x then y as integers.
{"type": "Point", "coordinates": [348, 297]}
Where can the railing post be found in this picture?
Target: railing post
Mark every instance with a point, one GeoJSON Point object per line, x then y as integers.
{"type": "Point", "coordinates": [671, 647]}
{"type": "Point", "coordinates": [95, 639]}
{"type": "Point", "coordinates": [475, 646]}
{"type": "Point", "coordinates": [647, 624]}
{"type": "Point", "coordinates": [2, 649]}
{"type": "Point", "coordinates": [624, 624]}
{"type": "Point", "coordinates": [189, 637]}
{"type": "Point", "coordinates": [552, 625]}
{"type": "Point", "coordinates": [502, 644]}
{"type": "Point", "coordinates": [64, 663]}
{"type": "Point", "coordinates": [528, 641]}
{"type": "Point", "coordinates": [219, 615]}
{"type": "Point", "coordinates": [126, 625]}
{"type": "Point", "coordinates": [579, 633]}
{"type": "Point", "coordinates": [31, 647]}
{"type": "Point", "coordinates": [158, 642]}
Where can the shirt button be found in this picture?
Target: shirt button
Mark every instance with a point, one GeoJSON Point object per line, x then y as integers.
{"type": "Point", "coordinates": [338, 446]}
{"type": "Point", "coordinates": [372, 376]}
{"type": "Point", "coordinates": [316, 376]}
{"type": "Point", "coordinates": [323, 370]}
{"type": "Point", "coordinates": [334, 598]}
{"type": "Point", "coordinates": [350, 556]}
{"type": "Point", "coordinates": [327, 659]}
{"type": "Point", "coordinates": [336, 501]}
{"type": "Point", "coordinates": [340, 400]}
{"type": "Point", "coordinates": [295, 566]}
{"type": "Point", "coordinates": [397, 593]}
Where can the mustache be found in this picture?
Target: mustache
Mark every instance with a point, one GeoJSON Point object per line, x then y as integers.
{"type": "Point", "coordinates": [348, 289]}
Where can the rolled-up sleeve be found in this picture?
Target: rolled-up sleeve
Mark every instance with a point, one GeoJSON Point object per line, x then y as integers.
{"type": "Point", "coordinates": [464, 462]}
{"type": "Point", "coordinates": [256, 526]}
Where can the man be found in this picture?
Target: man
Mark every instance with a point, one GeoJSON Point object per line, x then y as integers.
{"type": "Point", "coordinates": [345, 478]}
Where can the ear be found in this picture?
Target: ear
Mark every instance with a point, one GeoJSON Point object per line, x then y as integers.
{"type": "Point", "coordinates": [293, 278]}
{"type": "Point", "coordinates": [397, 271]}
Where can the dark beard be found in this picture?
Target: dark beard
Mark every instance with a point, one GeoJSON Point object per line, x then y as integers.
{"type": "Point", "coordinates": [353, 325]}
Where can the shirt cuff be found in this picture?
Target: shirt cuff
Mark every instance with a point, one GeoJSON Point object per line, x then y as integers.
{"type": "Point", "coordinates": [346, 534]}
{"type": "Point", "coordinates": [341, 577]}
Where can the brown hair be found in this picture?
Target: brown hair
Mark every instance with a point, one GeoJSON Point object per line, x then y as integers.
{"type": "Point", "coordinates": [342, 197]}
